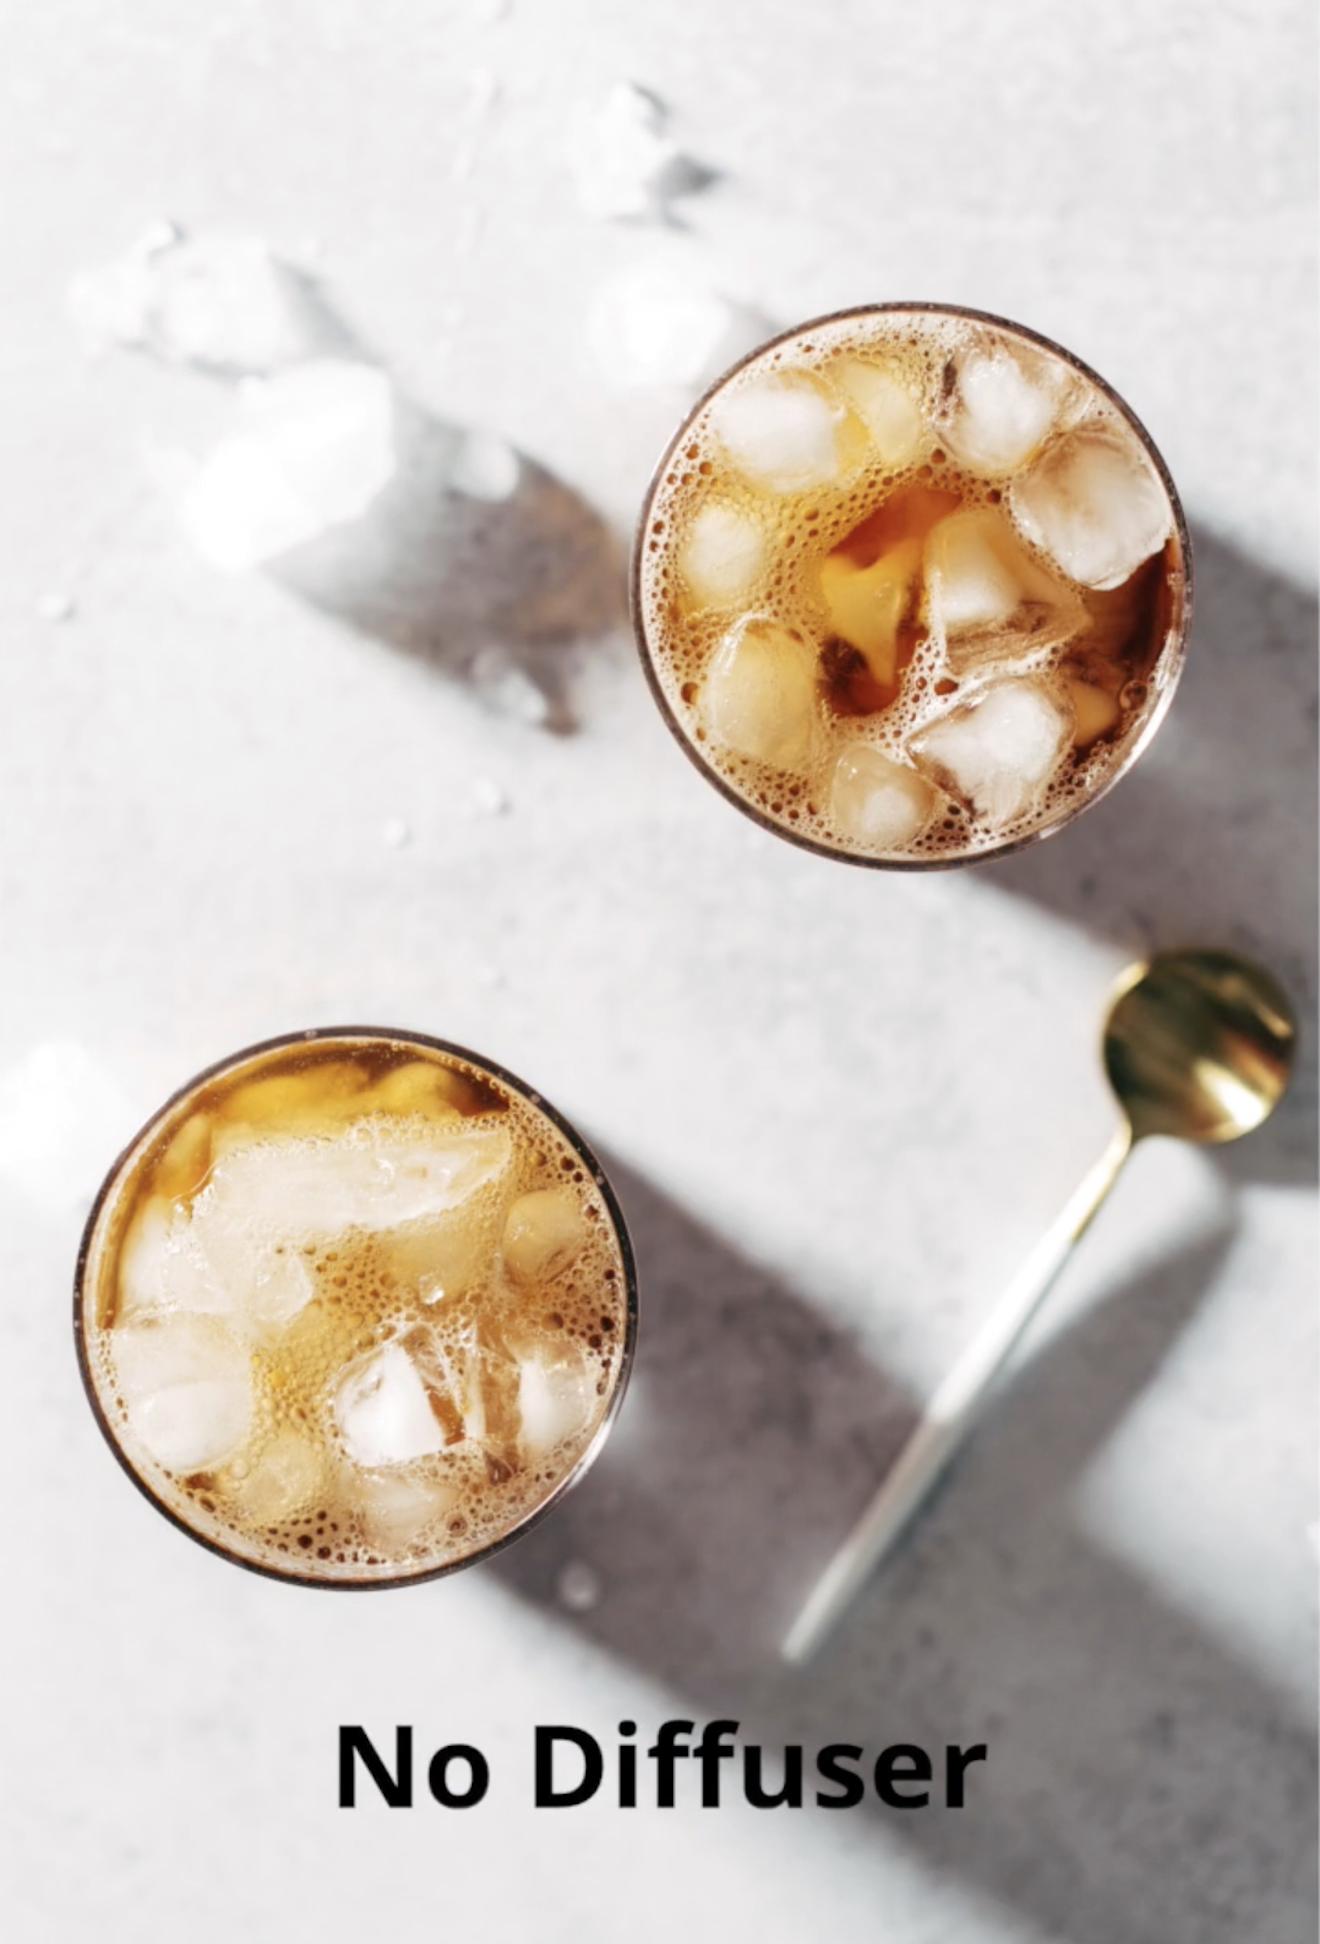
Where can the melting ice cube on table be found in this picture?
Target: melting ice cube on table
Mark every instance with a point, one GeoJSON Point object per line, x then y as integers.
{"type": "Point", "coordinates": [996, 753]}
{"type": "Point", "coordinates": [315, 446]}
{"type": "Point", "coordinates": [186, 1382]}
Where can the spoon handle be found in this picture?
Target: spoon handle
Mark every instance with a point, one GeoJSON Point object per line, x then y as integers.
{"type": "Point", "coordinates": [952, 1412]}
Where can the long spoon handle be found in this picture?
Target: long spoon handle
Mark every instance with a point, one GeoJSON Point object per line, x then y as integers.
{"type": "Point", "coordinates": [952, 1412]}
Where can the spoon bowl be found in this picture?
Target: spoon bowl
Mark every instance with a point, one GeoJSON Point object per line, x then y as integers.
{"type": "Point", "coordinates": [1198, 1045]}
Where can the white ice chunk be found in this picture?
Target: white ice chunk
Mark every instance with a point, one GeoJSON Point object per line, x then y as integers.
{"type": "Point", "coordinates": [383, 1410]}
{"type": "Point", "coordinates": [281, 1286]}
{"type": "Point", "coordinates": [997, 752]}
{"type": "Point", "coordinates": [63, 1117]}
{"type": "Point", "coordinates": [782, 433]}
{"type": "Point", "coordinates": [187, 1385]}
{"type": "Point", "coordinates": [506, 687]}
{"type": "Point", "coordinates": [759, 696]}
{"type": "Point", "coordinates": [985, 589]}
{"type": "Point", "coordinates": [486, 467]}
{"type": "Point", "coordinates": [881, 803]}
{"type": "Point", "coordinates": [57, 607]}
{"type": "Point", "coordinates": [722, 555]}
{"type": "Point", "coordinates": [369, 1178]}
{"type": "Point", "coordinates": [543, 1232]}
{"type": "Point", "coordinates": [315, 448]}
{"type": "Point", "coordinates": [162, 1266]}
{"type": "Point", "coordinates": [621, 155]}
{"type": "Point", "coordinates": [556, 1400]}
{"type": "Point", "coordinates": [1096, 505]}
{"type": "Point", "coordinates": [578, 1586]}
{"type": "Point", "coordinates": [1004, 402]}
{"type": "Point", "coordinates": [396, 1509]}
{"type": "Point", "coordinates": [659, 324]}
{"type": "Point", "coordinates": [288, 1475]}
{"type": "Point", "coordinates": [886, 407]}
{"type": "Point", "coordinates": [222, 302]}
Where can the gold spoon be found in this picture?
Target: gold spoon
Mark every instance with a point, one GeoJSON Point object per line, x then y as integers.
{"type": "Point", "coordinates": [1197, 1045]}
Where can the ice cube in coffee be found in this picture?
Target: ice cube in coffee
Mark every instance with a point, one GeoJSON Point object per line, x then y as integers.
{"type": "Point", "coordinates": [355, 1308]}
{"type": "Point", "coordinates": [912, 585]}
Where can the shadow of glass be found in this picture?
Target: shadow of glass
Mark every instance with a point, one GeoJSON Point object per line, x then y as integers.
{"type": "Point", "coordinates": [472, 557]}
{"type": "Point", "coordinates": [1215, 838]}
{"type": "Point", "coordinates": [1142, 1785]}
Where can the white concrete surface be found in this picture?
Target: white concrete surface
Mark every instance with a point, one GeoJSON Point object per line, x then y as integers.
{"type": "Point", "coordinates": [839, 1105]}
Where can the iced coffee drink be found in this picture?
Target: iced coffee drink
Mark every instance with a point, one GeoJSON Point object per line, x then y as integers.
{"type": "Point", "coordinates": [355, 1308]}
{"type": "Point", "coordinates": [912, 586]}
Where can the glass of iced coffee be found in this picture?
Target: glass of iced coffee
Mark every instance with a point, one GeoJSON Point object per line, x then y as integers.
{"type": "Point", "coordinates": [356, 1308]}
{"type": "Point", "coordinates": [912, 586]}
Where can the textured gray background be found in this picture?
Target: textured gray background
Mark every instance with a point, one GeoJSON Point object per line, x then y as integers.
{"type": "Point", "coordinates": [839, 1106]}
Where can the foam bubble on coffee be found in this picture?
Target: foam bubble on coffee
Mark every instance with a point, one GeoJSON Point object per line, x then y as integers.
{"type": "Point", "coordinates": [354, 1311]}
{"type": "Point", "coordinates": [919, 544]}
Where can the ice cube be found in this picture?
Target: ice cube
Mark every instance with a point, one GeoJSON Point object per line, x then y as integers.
{"type": "Point", "coordinates": [723, 555]}
{"type": "Point", "coordinates": [886, 407]}
{"type": "Point", "coordinates": [785, 435]}
{"type": "Point", "coordinates": [556, 1400]}
{"type": "Point", "coordinates": [1095, 505]}
{"type": "Point", "coordinates": [486, 468]}
{"type": "Point", "coordinates": [162, 1266]}
{"type": "Point", "coordinates": [503, 684]}
{"type": "Point", "coordinates": [759, 696]}
{"type": "Point", "coordinates": [289, 1473]}
{"type": "Point", "coordinates": [440, 1259]}
{"type": "Point", "coordinates": [543, 1232]}
{"type": "Point", "coordinates": [384, 1411]}
{"type": "Point", "coordinates": [1005, 399]}
{"type": "Point", "coordinates": [227, 304]}
{"type": "Point", "coordinates": [882, 804]}
{"type": "Point", "coordinates": [222, 303]}
{"type": "Point", "coordinates": [987, 596]}
{"type": "Point", "coordinates": [372, 1177]}
{"type": "Point", "coordinates": [281, 1285]}
{"type": "Point", "coordinates": [57, 607]}
{"type": "Point", "coordinates": [868, 605]}
{"type": "Point", "coordinates": [578, 1586]}
{"type": "Point", "coordinates": [315, 447]}
{"type": "Point", "coordinates": [660, 324]}
{"type": "Point", "coordinates": [621, 155]}
{"type": "Point", "coordinates": [396, 1509]}
{"type": "Point", "coordinates": [186, 1383]}
{"type": "Point", "coordinates": [997, 752]}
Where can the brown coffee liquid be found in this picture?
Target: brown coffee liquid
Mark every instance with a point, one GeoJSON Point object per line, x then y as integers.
{"type": "Point", "coordinates": [353, 1309]}
{"type": "Point", "coordinates": [910, 586]}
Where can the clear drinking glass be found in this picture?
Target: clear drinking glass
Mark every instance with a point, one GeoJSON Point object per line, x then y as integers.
{"type": "Point", "coordinates": [356, 1308]}
{"type": "Point", "coordinates": [912, 586]}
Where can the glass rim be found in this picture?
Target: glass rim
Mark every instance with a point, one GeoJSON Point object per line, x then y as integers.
{"type": "Point", "coordinates": [1173, 655]}
{"type": "Point", "coordinates": [105, 1201]}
